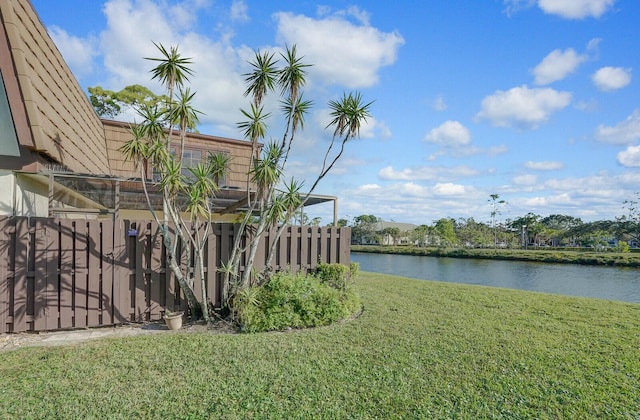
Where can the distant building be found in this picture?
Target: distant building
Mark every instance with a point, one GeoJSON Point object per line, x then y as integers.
{"type": "Point", "coordinates": [388, 233]}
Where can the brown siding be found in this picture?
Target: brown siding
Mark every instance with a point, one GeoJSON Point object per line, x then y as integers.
{"type": "Point", "coordinates": [63, 122]}
{"type": "Point", "coordinates": [117, 133]}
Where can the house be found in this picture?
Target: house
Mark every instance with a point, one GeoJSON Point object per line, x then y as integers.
{"type": "Point", "coordinates": [385, 233]}
{"type": "Point", "coordinates": [59, 158]}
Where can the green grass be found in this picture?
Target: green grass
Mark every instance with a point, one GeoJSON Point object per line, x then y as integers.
{"type": "Point", "coordinates": [419, 350]}
{"type": "Point", "coordinates": [547, 255]}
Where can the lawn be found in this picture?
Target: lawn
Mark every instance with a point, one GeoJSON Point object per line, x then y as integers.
{"type": "Point", "coordinates": [419, 350]}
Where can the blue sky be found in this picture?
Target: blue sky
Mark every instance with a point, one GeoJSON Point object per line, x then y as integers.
{"type": "Point", "coordinates": [535, 100]}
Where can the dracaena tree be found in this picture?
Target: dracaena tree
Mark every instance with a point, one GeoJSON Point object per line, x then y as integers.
{"type": "Point", "coordinates": [183, 190]}
{"type": "Point", "coordinates": [273, 202]}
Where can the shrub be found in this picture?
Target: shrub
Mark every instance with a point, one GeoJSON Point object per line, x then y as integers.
{"type": "Point", "coordinates": [622, 247]}
{"type": "Point", "coordinates": [293, 301]}
{"type": "Point", "coordinates": [354, 269]}
{"type": "Point", "coordinates": [336, 275]}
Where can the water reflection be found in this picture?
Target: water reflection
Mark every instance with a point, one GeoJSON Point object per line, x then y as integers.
{"type": "Point", "coordinates": [614, 283]}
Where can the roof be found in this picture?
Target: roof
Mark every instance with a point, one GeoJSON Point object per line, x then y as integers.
{"type": "Point", "coordinates": [403, 227]}
{"type": "Point", "coordinates": [98, 193]}
{"type": "Point", "coordinates": [51, 114]}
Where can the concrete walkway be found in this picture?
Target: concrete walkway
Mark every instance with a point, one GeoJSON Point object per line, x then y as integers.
{"type": "Point", "coordinates": [59, 338]}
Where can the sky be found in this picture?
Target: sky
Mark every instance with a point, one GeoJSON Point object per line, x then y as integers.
{"type": "Point", "coordinates": [536, 101]}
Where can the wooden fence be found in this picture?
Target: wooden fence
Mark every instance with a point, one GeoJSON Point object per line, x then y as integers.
{"type": "Point", "coordinates": [65, 273]}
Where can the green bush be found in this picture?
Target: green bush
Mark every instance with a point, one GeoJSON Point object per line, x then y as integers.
{"type": "Point", "coordinates": [337, 275]}
{"type": "Point", "coordinates": [622, 247]}
{"type": "Point", "coordinates": [354, 269]}
{"type": "Point", "coordinates": [293, 301]}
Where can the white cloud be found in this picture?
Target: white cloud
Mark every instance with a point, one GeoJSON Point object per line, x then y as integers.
{"type": "Point", "coordinates": [568, 9]}
{"type": "Point", "coordinates": [239, 11]}
{"type": "Point", "coordinates": [544, 165]}
{"type": "Point", "coordinates": [522, 106]}
{"type": "Point", "coordinates": [591, 198]}
{"type": "Point", "coordinates": [576, 9]}
{"type": "Point", "coordinates": [557, 65]}
{"type": "Point", "coordinates": [77, 52]}
{"type": "Point", "coordinates": [450, 133]}
{"type": "Point", "coordinates": [439, 104]}
{"type": "Point", "coordinates": [593, 45]}
{"type": "Point", "coordinates": [426, 173]}
{"type": "Point", "coordinates": [513, 6]}
{"type": "Point", "coordinates": [449, 189]}
{"type": "Point", "coordinates": [357, 51]}
{"type": "Point", "coordinates": [132, 25]}
{"type": "Point", "coordinates": [587, 106]}
{"type": "Point", "coordinates": [360, 15]}
{"type": "Point", "coordinates": [630, 157]}
{"type": "Point", "coordinates": [625, 132]}
{"type": "Point", "coordinates": [528, 179]}
{"type": "Point", "coordinates": [412, 203]}
{"type": "Point", "coordinates": [611, 78]}
{"type": "Point", "coordinates": [383, 130]}
{"type": "Point", "coordinates": [497, 150]}
{"type": "Point", "coordinates": [548, 201]}
{"type": "Point", "coordinates": [370, 187]}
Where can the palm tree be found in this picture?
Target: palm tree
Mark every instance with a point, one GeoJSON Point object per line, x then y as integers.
{"type": "Point", "coordinates": [495, 210]}
{"type": "Point", "coordinates": [349, 113]}
{"type": "Point", "coordinates": [173, 70]}
{"type": "Point", "coordinates": [183, 115]}
{"type": "Point", "coordinates": [263, 77]}
{"type": "Point", "coordinates": [292, 77]}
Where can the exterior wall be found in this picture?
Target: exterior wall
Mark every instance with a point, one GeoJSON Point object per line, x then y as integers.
{"type": "Point", "coordinates": [62, 122]}
{"type": "Point", "coordinates": [22, 196]}
{"type": "Point", "coordinates": [7, 193]}
{"type": "Point", "coordinates": [117, 133]}
{"type": "Point", "coordinates": [32, 199]}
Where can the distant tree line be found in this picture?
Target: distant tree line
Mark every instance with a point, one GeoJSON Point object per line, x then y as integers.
{"type": "Point", "coordinates": [530, 230]}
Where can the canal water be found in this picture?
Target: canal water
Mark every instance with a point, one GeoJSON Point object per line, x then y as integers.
{"type": "Point", "coordinates": [613, 283]}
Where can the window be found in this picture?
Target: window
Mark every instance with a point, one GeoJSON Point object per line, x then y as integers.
{"type": "Point", "coordinates": [8, 137]}
{"type": "Point", "coordinates": [191, 158]}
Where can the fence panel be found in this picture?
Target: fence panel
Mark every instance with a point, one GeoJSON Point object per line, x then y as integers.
{"type": "Point", "coordinates": [18, 287]}
{"type": "Point", "coordinates": [157, 284]}
{"type": "Point", "coordinates": [4, 275]}
{"type": "Point", "coordinates": [64, 273]}
{"type": "Point", "coordinates": [120, 263]}
{"type": "Point", "coordinates": [94, 273]}
{"type": "Point", "coordinates": [80, 274]}
{"type": "Point", "coordinates": [107, 296]}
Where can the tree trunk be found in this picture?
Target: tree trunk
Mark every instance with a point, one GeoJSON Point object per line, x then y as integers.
{"type": "Point", "coordinates": [192, 301]}
{"type": "Point", "coordinates": [272, 247]}
{"type": "Point", "coordinates": [255, 242]}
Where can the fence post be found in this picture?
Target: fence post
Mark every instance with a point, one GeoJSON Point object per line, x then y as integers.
{"type": "Point", "coordinates": [107, 262]}
{"type": "Point", "coordinates": [120, 270]}
{"type": "Point", "coordinates": [5, 246]}
{"type": "Point", "coordinates": [95, 253]}
{"type": "Point", "coordinates": [66, 273]}
{"type": "Point", "coordinates": [157, 281]}
{"type": "Point", "coordinates": [19, 285]}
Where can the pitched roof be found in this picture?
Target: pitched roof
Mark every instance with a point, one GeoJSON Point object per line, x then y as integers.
{"type": "Point", "coordinates": [404, 227]}
{"type": "Point", "coordinates": [52, 115]}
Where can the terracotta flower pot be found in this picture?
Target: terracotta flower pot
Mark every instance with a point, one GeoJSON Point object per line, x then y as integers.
{"type": "Point", "coordinates": [173, 320]}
